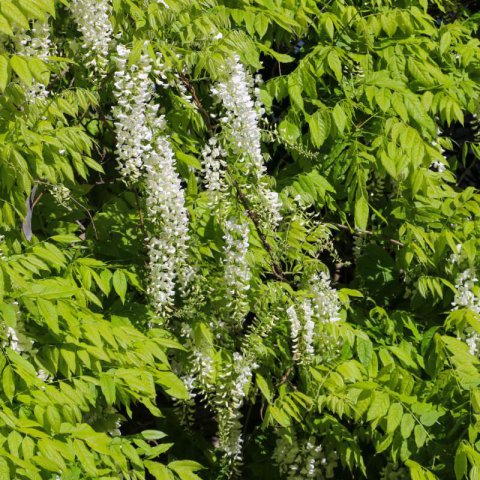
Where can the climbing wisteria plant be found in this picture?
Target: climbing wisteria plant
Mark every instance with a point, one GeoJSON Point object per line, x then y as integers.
{"type": "Point", "coordinates": [238, 239]}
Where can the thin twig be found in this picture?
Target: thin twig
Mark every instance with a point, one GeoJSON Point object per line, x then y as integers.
{"type": "Point", "coordinates": [367, 232]}
{"type": "Point", "coordinates": [197, 101]}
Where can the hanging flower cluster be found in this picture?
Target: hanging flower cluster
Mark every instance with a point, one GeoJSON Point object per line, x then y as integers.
{"type": "Point", "coordinates": [214, 166]}
{"type": "Point", "coordinates": [16, 337]}
{"type": "Point", "coordinates": [36, 43]}
{"type": "Point", "coordinates": [322, 309]}
{"type": "Point", "coordinates": [299, 462]}
{"type": "Point", "coordinates": [237, 270]}
{"type": "Point", "coordinates": [93, 21]}
{"type": "Point", "coordinates": [230, 396]}
{"type": "Point", "coordinates": [326, 301]}
{"type": "Point", "coordinates": [302, 332]}
{"type": "Point", "coordinates": [467, 295]}
{"type": "Point", "coordinates": [241, 123]}
{"type": "Point", "coordinates": [133, 90]}
{"type": "Point", "coordinates": [168, 215]}
{"type": "Point", "coordinates": [146, 154]}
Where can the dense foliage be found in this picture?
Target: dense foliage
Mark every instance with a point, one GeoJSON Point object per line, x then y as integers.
{"type": "Point", "coordinates": [239, 239]}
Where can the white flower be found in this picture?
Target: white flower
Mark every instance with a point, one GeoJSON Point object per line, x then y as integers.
{"type": "Point", "coordinates": [237, 270]}
{"type": "Point", "coordinates": [93, 22]}
{"type": "Point", "coordinates": [472, 339]}
{"type": "Point", "coordinates": [62, 195]}
{"type": "Point", "coordinates": [326, 301]}
{"type": "Point", "coordinates": [465, 297]}
{"type": "Point", "coordinates": [438, 166]}
{"type": "Point", "coordinates": [35, 43]}
{"type": "Point", "coordinates": [308, 332]}
{"type": "Point", "coordinates": [241, 126]}
{"type": "Point", "coordinates": [214, 166]}
{"type": "Point", "coordinates": [300, 461]}
{"type": "Point", "coordinates": [295, 330]}
{"type": "Point", "coordinates": [168, 215]}
{"type": "Point", "coordinates": [229, 399]}
{"type": "Point", "coordinates": [133, 90]}
{"type": "Point", "coordinates": [145, 153]}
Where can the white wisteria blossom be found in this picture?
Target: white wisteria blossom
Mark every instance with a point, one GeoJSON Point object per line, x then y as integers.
{"type": "Point", "coordinates": [230, 396]}
{"type": "Point", "coordinates": [298, 461]}
{"type": "Point", "coordinates": [326, 301]}
{"type": "Point", "coordinates": [214, 165]}
{"type": "Point", "coordinates": [133, 91]}
{"type": "Point", "coordinates": [307, 323]}
{"type": "Point", "coordinates": [93, 22]}
{"type": "Point", "coordinates": [308, 332]}
{"type": "Point", "coordinates": [237, 272]}
{"type": "Point", "coordinates": [465, 295]}
{"type": "Point", "coordinates": [145, 154]}
{"type": "Point", "coordinates": [35, 43]}
{"type": "Point", "coordinates": [241, 115]}
{"type": "Point", "coordinates": [240, 121]}
{"type": "Point", "coordinates": [168, 215]}
{"type": "Point", "coordinates": [295, 330]}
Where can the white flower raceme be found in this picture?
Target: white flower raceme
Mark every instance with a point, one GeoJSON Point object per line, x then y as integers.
{"type": "Point", "coordinates": [62, 195]}
{"type": "Point", "coordinates": [133, 90]}
{"type": "Point", "coordinates": [214, 164]}
{"type": "Point", "coordinates": [237, 270]}
{"type": "Point", "coordinates": [168, 215]}
{"type": "Point", "coordinates": [322, 309]}
{"type": "Point", "coordinates": [243, 135]}
{"type": "Point", "coordinates": [472, 339]}
{"type": "Point", "coordinates": [308, 331]}
{"type": "Point", "coordinates": [326, 301]}
{"type": "Point", "coordinates": [145, 154]}
{"type": "Point", "coordinates": [465, 296]}
{"type": "Point", "coordinates": [295, 330]}
{"type": "Point", "coordinates": [229, 399]}
{"type": "Point", "coordinates": [93, 22]}
{"type": "Point", "coordinates": [241, 116]}
{"type": "Point", "coordinates": [35, 43]}
{"type": "Point", "coordinates": [302, 461]}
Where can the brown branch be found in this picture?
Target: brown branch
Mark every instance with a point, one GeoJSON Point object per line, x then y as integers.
{"type": "Point", "coordinates": [197, 101]}
{"type": "Point", "coordinates": [277, 269]}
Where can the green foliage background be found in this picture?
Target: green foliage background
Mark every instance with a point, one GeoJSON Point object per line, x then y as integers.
{"type": "Point", "coordinates": [355, 93]}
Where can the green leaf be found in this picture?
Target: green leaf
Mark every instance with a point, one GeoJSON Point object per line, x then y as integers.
{"type": "Point", "coordinates": [339, 117]}
{"type": "Point", "coordinates": [378, 406]}
{"type": "Point", "coordinates": [420, 435]}
{"type": "Point", "coordinates": [364, 351]}
{"type": "Point", "coordinates": [335, 65]}
{"type": "Point", "coordinates": [406, 426]}
{"type": "Point", "coordinates": [153, 434]}
{"type": "Point", "coordinates": [394, 417]}
{"type": "Point", "coordinates": [319, 127]}
{"type": "Point", "coordinates": [361, 212]}
{"type": "Point", "coordinates": [107, 385]}
{"type": "Point", "coordinates": [5, 26]}
{"type": "Point", "coordinates": [264, 387]}
{"type": "Point", "coordinates": [8, 382]}
{"type": "Point", "coordinates": [159, 471]}
{"type": "Point", "coordinates": [120, 284]}
{"type": "Point", "coordinates": [12, 13]}
{"type": "Point", "coordinates": [279, 415]}
{"type": "Point", "coordinates": [20, 67]}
